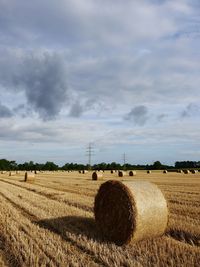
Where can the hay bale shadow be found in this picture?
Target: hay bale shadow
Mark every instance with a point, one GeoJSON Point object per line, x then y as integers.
{"type": "Point", "coordinates": [73, 224]}
{"type": "Point", "coordinates": [184, 237]}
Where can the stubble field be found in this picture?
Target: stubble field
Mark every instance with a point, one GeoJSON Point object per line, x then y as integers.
{"type": "Point", "coordinates": [50, 222]}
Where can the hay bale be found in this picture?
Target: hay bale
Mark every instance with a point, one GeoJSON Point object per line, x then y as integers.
{"type": "Point", "coordinates": [84, 171]}
{"type": "Point", "coordinates": [149, 171]}
{"type": "Point", "coordinates": [194, 171]}
{"type": "Point", "coordinates": [165, 171]}
{"type": "Point", "coordinates": [29, 176]}
{"type": "Point", "coordinates": [130, 211]}
{"type": "Point", "coordinates": [3, 172]}
{"type": "Point", "coordinates": [111, 171]}
{"type": "Point", "coordinates": [132, 173]}
{"type": "Point", "coordinates": [121, 173]}
{"type": "Point", "coordinates": [180, 171]}
{"type": "Point", "coordinates": [186, 171]}
{"type": "Point", "coordinates": [97, 175]}
{"type": "Point", "coordinates": [12, 173]}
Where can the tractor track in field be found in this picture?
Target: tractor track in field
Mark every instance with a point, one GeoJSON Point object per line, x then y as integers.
{"type": "Point", "coordinates": [52, 197]}
{"type": "Point", "coordinates": [44, 224]}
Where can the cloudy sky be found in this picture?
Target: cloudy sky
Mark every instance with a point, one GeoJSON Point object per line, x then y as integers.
{"type": "Point", "coordinates": [122, 74]}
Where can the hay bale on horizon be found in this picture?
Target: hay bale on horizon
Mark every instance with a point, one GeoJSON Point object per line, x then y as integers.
{"type": "Point", "coordinates": [29, 176]}
{"type": "Point", "coordinates": [84, 171]}
{"type": "Point", "coordinates": [96, 175]}
{"type": "Point", "coordinates": [132, 173]}
{"type": "Point", "coordinates": [165, 171]}
{"type": "Point", "coordinates": [121, 173]}
{"type": "Point", "coordinates": [180, 171]}
{"type": "Point", "coordinates": [194, 171]}
{"type": "Point", "coordinates": [148, 171]}
{"type": "Point", "coordinates": [130, 211]}
{"type": "Point", "coordinates": [111, 171]}
{"type": "Point", "coordinates": [186, 171]}
{"type": "Point", "coordinates": [12, 173]}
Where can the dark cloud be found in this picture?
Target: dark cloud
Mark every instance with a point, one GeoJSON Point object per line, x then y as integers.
{"type": "Point", "coordinates": [138, 115]}
{"type": "Point", "coordinates": [76, 110]}
{"type": "Point", "coordinates": [5, 112]}
{"type": "Point", "coordinates": [42, 77]}
{"type": "Point", "coordinates": [191, 110]}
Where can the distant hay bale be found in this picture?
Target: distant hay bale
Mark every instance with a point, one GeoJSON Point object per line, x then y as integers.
{"type": "Point", "coordinates": [80, 171]}
{"type": "Point", "coordinates": [84, 171]}
{"type": "Point", "coordinates": [149, 171]}
{"type": "Point", "coordinates": [165, 171]}
{"type": "Point", "coordinates": [97, 175]}
{"type": "Point", "coordinates": [130, 211]}
{"type": "Point", "coordinates": [36, 172]}
{"type": "Point", "coordinates": [29, 176]}
{"type": "Point", "coordinates": [132, 173]}
{"type": "Point", "coordinates": [180, 171]}
{"type": "Point", "coordinates": [3, 172]}
{"type": "Point", "coordinates": [186, 171]}
{"type": "Point", "coordinates": [121, 173]}
{"type": "Point", "coordinates": [12, 173]}
{"type": "Point", "coordinates": [111, 171]}
{"type": "Point", "coordinates": [194, 171]}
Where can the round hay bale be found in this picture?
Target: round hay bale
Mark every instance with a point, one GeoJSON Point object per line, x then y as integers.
{"type": "Point", "coordinates": [12, 173]}
{"type": "Point", "coordinates": [29, 176]}
{"type": "Point", "coordinates": [131, 211]}
{"type": "Point", "coordinates": [79, 171]}
{"type": "Point", "coordinates": [194, 171]}
{"type": "Point", "coordinates": [149, 171]}
{"type": "Point", "coordinates": [165, 171]}
{"type": "Point", "coordinates": [132, 173]}
{"type": "Point", "coordinates": [111, 171]}
{"type": "Point", "coordinates": [121, 173]}
{"type": "Point", "coordinates": [96, 175]}
{"type": "Point", "coordinates": [186, 171]}
{"type": "Point", "coordinates": [84, 171]}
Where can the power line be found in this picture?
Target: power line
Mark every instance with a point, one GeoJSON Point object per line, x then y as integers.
{"type": "Point", "coordinates": [90, 153]}
{"type": "Point", "coordinates": [124, 158]}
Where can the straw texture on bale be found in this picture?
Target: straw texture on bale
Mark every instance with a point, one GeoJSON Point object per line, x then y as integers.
{"type": "Point", "coordinates": [130, 211]}
{"type": "Point", "coordinates": [97, 175]}
{"type": "Point", "coordinates": [148, 171]}
{"type": "Point", "coordinates": [29, 176]}
{"type": "Point", "coordinates": [121, 173]}
{"type": "Point", "coordinates": [132, 173]}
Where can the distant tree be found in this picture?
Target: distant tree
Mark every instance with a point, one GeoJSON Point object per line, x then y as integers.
{"type": "Point", "coordinates": [157, 165]}
{"type": "Point", "coordinates": [50, 166]}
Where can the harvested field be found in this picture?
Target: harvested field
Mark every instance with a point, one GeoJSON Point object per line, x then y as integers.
{"type": "Point", "coordinates": [50, 222]}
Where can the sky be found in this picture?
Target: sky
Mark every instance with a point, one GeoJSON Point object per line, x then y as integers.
{"type": "Point", "coordinates": [123, 75]}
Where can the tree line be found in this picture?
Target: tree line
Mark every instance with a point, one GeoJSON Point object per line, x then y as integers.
{"type": "Point", "coordinates": [51, 166]}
